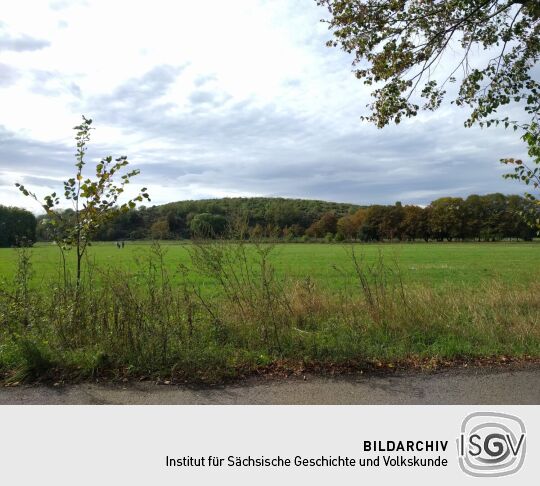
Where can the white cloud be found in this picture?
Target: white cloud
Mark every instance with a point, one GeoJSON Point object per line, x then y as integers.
{"type": "Point", "coordinates": [214, 98]}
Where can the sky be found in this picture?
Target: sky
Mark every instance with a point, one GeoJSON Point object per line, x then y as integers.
{"type": "Point", "coordinates": [213, 99]}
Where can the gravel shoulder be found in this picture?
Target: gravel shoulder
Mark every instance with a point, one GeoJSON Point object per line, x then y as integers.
{"type": "Point", "coordinates": [496, 386]}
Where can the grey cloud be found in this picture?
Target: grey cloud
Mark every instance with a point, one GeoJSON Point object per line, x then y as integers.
{"type": "Point", "coordinates": [134, 106]}
{"type": "Point", "coordinates": [22, 43]}
{"type": "Point", "coordinates": [53, 83]}
{"type": "Point", "coordinates": [8, 75]}
{"type": "Point", "coordinates": [273, 150]}
{"type": "Point", "coordinates": [201, 97]}
{"type": "Point", "coordinates": [41, 166]}
{"type": "Point", "coordinates": [293, 83]}
{"type": "Point", "coordinates": [36, 181]}
{"type": "Point", "coordinates": [149, 87]}
{"type": "Point", "coordinates": [356, 176]}
{"type": "Point", "coordinates": [268, 150]}
{"type": "Point", "coordinates": [75, 89]}
{"type": "Point", "coordinates": [26, 156]}
{"type": "Point", "coordinates": [218, 144]}
{"type": "Point", "coordinates": [204, 79]}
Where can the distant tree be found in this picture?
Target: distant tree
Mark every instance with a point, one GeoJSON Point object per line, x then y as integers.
{"type": "Point", "coordinates": [42, 233]}
{"type": "Point", "coordinates": [177, 223]}
{"type": "Point", "coordinates": [297, 230]}
{"type": "Point", "coordinates": [257, 232]}
{"type": "Point", "coordinates": [414, 224]}
{"type": "Point", "coordinates": [272, 231]}
{"type": "Point", "coordinates": [495, 208]}
{"type": "Point", "coordinates": [160, 229]}
{"type": "Point", "coordinates": [514, 225]}
{"type": "Point", "coordinates": [349, 226]}
{"type": "Point", "coordinates": [447, 218]}
{"type": "Point", "coordinates": [282, 212]}
{"type": "Point", "coordinates": [288, 234]}
{"type": "Point", "coordinates": [391, 224]}
{"type": "Point", "coordinates": [17, 226]}
{"type": "Point", "coordinates": [476, 214]}
{"type": "Point", "coordinates": [123, 226]}
{"type": "Point", "coordinates": [94, 200]}
{"type": "Point", "coordinates": [208, 225]}
{"type": "Point", "coordinates": [373, 222]}
{"type": "Point", "coordinates": [327, 224]}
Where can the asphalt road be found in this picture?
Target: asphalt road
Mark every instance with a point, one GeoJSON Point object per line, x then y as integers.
{"type": "Point", "coordinates": [457, 386]}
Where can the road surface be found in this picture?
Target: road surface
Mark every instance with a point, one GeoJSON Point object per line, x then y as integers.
{"type": "Point", "coordinates": [456, 386]}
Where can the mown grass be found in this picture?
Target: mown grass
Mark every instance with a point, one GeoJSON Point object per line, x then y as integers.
{"type": "Point", "coordinates": [215, 310]}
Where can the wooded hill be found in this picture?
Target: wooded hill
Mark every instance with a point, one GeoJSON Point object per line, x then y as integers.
{"type": "Point", "coordinates": [490, 217]}
{"type": "Point", "coordinates": [183, 218]}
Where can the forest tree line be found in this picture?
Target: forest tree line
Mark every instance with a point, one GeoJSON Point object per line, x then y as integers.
{"type": "Point", "coordinates": [482, 218]}
{"type": "Point", "coordinates": [490, 217]}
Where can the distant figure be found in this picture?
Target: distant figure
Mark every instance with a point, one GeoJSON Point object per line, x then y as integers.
{"type": "Point", "coordinates": [123, 243]}
{"type": "Point", "coordinates": [117, 244]}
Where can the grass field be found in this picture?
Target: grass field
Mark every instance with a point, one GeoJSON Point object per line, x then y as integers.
{"type": "Point", "coordinates": [218, 310]}
{"type": "Point", "coordinates": [431, 264]}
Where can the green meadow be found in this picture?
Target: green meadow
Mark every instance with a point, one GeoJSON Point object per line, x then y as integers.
{"type": "Point", "coordinates": [218, 310]}
{"type": "Point", "coordinates": [430, 264]}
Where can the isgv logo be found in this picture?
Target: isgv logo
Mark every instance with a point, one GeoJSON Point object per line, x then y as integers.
{"type": "Point", "coordinates": [491, 444]}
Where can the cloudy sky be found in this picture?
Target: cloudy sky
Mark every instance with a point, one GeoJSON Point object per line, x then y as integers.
{"type": "Point", "coordinates": [214, 98]}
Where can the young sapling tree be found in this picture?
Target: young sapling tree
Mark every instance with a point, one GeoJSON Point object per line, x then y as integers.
{"type": "Point", "coordinates": [94, 199]}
